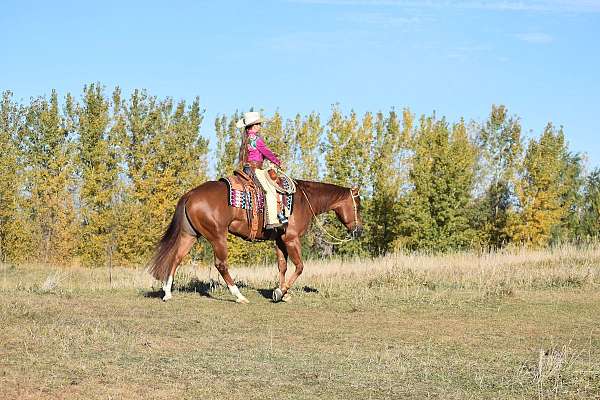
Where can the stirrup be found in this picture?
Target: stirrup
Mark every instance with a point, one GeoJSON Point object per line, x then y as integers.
{"type": "Point", "coordinates": [282, 218]}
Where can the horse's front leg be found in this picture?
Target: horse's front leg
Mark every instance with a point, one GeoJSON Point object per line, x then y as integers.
{"type": "Point", "coordinates": [282, 257]}
{"type": "Point", "coordinates": [294, 252]}
{"type": "Point", "coordinates": [220, 250]}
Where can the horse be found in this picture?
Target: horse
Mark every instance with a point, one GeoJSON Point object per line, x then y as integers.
{"type": "Point", "coordinates": [206, 211]}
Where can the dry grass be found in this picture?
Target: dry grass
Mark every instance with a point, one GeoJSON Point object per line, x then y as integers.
{"type": "Point", "coordinates": [567, 266]}
{"type": "Point", "coordinates": [518, 324]}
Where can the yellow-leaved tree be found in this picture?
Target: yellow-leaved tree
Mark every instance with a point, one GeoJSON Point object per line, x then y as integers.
{"type": "Point", "coordinates": [48, 146]}
{"type": "Point", "coordinates": [541, 189]}
{"type": "Point", "coordinates": [15, 240]}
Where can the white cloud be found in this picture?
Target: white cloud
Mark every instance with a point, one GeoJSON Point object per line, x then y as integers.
{"type": "Point", "coordinates": [381, 19]}
{"type": "Point", "coordinates": [535, 37]}
{"type": "Point", "coordinates": [576, 6]}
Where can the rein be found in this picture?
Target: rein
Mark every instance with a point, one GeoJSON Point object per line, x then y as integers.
{"type": "Point", "coordinates": [322, 228]}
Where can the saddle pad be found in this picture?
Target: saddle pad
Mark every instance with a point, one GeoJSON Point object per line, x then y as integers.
{"type": "Point", "coordinates": [288, 198]}
{"type": "Point", "coordinates": [240, 198]}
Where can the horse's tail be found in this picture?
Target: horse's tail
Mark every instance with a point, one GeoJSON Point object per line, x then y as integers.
{"type": "Point", "coordinates": [166, 250]}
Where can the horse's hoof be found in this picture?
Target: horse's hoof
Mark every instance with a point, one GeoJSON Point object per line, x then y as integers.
{"type": "Point", "coordinates": [277, 295]}
{"type": "Point", "coordinates": [242, 300]}
{"type": "Point", "coordinates": [165, 298]}
{"type": "Point", "coordinates": [286, 297]}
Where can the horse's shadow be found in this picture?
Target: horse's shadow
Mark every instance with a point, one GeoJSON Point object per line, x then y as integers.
{"type": "Point", "coordinates": [268, 293]}
{"type": "Point", "coordinates": [203, 288]}
{"type": "Point", "coordinates": [154, 294]}
{"type": "Point", "coordinates": [195, 285]}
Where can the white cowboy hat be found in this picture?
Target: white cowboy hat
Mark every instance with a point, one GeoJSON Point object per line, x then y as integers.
{"type": "Point", "coordinates": [250, 118]}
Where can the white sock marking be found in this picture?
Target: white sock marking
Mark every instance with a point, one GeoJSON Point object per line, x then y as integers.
{"type": "Point", "coordinates": [167, 288]}
{"type": "Point", "coordinates": [240, 298]}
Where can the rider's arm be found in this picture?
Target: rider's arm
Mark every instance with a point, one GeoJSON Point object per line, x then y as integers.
{"type": "Point", "coordinates": [265, 151]}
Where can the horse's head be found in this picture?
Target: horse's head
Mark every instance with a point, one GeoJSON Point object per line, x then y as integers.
{"type": "Point", "coordinates": [348, 212]}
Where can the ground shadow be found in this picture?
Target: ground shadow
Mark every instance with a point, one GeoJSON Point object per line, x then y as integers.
{"type": "Point", "coordinates": [266, 293]}
{"type": "Point", "coordinates": [203, 288]}
{"type": "Point", "coordinates": [154, 294]}
{"type": "Point", "coordinates": [308, 289]}
{"type": "Point", "coordinates": [195, 285]}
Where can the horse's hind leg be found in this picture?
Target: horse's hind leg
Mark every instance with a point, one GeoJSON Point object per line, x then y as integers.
{"type": "Point", "coordinates": [184, 245]}
{"type": "Point", "coordinates": [220, 250]}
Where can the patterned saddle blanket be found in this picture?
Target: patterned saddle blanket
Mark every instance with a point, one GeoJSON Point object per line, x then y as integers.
{"type": "Point", "coordinates": [246, 193]}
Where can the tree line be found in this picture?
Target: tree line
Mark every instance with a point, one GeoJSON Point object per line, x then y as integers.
{"type": "Point", "coordinates": [94, 180]}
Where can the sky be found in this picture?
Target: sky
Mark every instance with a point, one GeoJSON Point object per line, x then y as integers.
{"type": "Point", "coordinates": [539, 58]}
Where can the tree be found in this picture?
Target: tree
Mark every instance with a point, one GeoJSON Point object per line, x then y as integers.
{"type": "Point", "coordinates": [98, 162]}
{"type": "Point", "coordinates": [347, 160]}
{"type": "Point", "coordinates": [572, 181]}
{"type": "Point", "coordinates": [347, 149]}
{"type": "Point", "coordinates": [499, 143]}
{"type": "Point", "coordinates": [307, 134]}
{"type": "Point", "coordinates": [543, 189]}
{"type": "Point", "coordinates": [228, 144]}
{"type": "Point", "coordinates": [387, 180]}
{"type": "Point", "coordinates": [14, 238]}
{"type": "Point", "coordinates": [166, 157]}
{"type": "Point", "coordinates": [590, 220]}
{"type": "Point", "coordinates": [278, 137]}
{"type": "Point", "coordinates": [49, 152]}
{"type": "Point", "coordinates": [441, 174]}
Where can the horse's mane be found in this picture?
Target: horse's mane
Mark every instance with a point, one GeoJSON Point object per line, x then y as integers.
{"type": "Point", "coordinates": [321, 195]}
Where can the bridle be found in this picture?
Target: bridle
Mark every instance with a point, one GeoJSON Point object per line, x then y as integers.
{"type": "Point", "coordinates": [355, 208]}
{"type": "Point", "coordinates": [352, 234]}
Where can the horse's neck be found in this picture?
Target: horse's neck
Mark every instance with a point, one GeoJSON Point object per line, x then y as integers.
{"type": "Point", "coordinates": [321, 196]}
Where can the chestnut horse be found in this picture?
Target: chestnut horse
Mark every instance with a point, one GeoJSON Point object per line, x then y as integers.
{"type": "Point", "coordinates": [206, 211]}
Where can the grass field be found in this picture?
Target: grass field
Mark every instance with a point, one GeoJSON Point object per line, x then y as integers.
{"type": "Point", "coordinates": [520, 324]}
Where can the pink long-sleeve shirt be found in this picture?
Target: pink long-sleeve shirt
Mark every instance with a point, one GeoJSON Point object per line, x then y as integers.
{"type": "Point", "coordinates": [258, 150]}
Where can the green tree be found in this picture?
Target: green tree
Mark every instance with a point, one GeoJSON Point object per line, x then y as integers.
{"type": "Point", "coordinates": [228, 144]}
{"type": "Point", "coordinates": [499, 142]}
{"type": "Point", "coordinates": [387, 180]}
{"type": "Point", "coordinates": [98, 161]}
{"type": "Point", "coordinates": [590, 220]}
{"type": "Point", "coordinates": [14, 237]}
{"type": "Point", "coordinates": [347, 149]}
{"type": "Point", "coordinates": [572, 181]}
{"type": "Point", "coordinates": [279, 137]}
{"type": "Point", "coordinates": [307, 134]}
{"type": "Point", "coordinates": [348, 160]}
{"type": "Point", "coordinates": [435, 215]}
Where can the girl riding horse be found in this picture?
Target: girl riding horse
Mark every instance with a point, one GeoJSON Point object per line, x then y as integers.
{"type": "Point", "coordinates": [204, 211]}
{"type": "Point", "coordinates": [252, 153]}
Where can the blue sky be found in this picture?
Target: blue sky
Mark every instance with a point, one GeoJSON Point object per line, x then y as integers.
{"type": "Point", "coordinates": [540, 58]}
